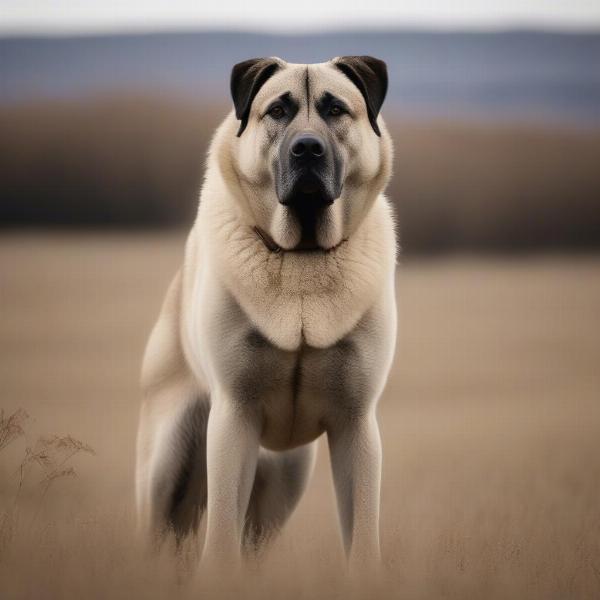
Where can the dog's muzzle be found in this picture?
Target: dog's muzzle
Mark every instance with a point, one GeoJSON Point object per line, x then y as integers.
{"type": "Point", "coordinates": [308, 180]}
{"type": "Point", "coordinates": [307, 177]}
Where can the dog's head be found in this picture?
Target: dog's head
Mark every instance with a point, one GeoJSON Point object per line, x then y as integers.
{"type": "Point", "coordinates": [310, 152]}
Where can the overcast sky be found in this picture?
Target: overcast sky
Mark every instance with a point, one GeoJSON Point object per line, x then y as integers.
{"type": "Point", "coordinates": [75, 16]}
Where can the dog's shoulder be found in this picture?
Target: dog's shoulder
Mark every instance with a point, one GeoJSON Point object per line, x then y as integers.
{"type": "Point", "coordinates": [163, 358]}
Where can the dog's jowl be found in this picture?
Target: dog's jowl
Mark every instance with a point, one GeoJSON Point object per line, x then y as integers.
{"type": "Point", "coordinates": [280, 324]}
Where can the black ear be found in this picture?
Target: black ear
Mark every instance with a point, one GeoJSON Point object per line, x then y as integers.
{"type": "Point", "coordinates": [369, 75]}
{"type": "Point", "coordinates": [246, 80]}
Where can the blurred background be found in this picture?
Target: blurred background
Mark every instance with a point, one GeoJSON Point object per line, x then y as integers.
{"type": "Point", "coordinates": [105, 114]}
{"type": "Point", "coordinates": [491, 418]}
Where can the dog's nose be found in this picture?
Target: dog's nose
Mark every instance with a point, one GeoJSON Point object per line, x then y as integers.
{"type": "Point", "coordinates": [307, 147]}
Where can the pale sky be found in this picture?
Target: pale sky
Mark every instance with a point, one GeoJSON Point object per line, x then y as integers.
{"type": "Point", "coordinates": [82, 16]}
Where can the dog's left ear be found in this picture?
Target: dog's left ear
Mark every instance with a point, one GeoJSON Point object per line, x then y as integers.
{"type": "Point", "coordinates": [246, 80]}
{"type": "Point", "coordinates": [369, 75]}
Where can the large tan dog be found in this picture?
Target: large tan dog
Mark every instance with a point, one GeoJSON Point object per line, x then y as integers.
{"type": "Point", "coordinates": [281, 323]}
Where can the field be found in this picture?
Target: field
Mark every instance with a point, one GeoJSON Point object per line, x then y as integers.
{"type": "Point", "coordinates": [490, 424]}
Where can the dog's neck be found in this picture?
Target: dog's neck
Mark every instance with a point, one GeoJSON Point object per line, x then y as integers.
{"type": "Point", "coordinates": [296, 296]}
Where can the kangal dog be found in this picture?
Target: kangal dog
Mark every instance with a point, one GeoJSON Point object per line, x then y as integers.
{"type": "Point", "coordinates": [281, 323]}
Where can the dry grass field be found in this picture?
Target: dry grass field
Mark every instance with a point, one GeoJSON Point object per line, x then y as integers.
{"type": "Point", "coordinates": [490, 423]}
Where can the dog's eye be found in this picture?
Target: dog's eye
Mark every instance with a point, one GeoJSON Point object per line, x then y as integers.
{"type": "Point", "coordinates": [336, 110]}
{"type": "Point", "coordinates": [276, 112]}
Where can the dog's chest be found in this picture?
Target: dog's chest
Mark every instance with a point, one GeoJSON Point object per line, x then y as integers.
{"type": "Point", "coordinates": [297, 393]}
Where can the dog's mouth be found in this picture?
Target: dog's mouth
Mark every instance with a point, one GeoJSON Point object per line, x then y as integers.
{"type": "Point", "coordinates": [307, 190]}
{"type": "Point", "coordinates": [307, 218]}
{"type": "Point", "coordinates": [308, 211]}
{"type": "Point", "coordinates": [306, 225]}
{"type": "Point", "coordinates": [307, 203]}
{"type": "Point", "coordinates": [312, 189]}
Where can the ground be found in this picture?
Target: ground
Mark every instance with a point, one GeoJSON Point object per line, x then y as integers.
{"type": "Point", "coordinates": [490, 425]}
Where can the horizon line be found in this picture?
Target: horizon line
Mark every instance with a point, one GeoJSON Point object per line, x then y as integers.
{"type": "Point", "coordinates": [416, 27]}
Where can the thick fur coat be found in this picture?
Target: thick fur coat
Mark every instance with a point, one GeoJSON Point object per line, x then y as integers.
{"type": "Point", "coordinates": [261, 346]}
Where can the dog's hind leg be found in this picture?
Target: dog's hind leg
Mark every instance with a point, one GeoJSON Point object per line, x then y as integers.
{"type": "Point", "coordinates": [280, 480]}
{"type": "Point", "coordinates": [171, 463]}
{"type": "Point", "coordinates": [187, 500]}
{"type": "Point", "coordinates": [171, 444]}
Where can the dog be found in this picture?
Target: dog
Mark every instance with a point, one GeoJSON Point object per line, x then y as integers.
{"type": "Point", "coordinates": [281, 323]}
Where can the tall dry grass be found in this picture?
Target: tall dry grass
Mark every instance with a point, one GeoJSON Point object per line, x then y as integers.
{"type": "Point", "coordinates": [40, 466]}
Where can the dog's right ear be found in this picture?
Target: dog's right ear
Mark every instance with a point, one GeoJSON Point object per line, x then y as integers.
{"type": "Point", "coordinates": [246, 80]}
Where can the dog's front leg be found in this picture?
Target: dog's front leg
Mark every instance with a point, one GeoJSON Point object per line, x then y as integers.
{"type": "Point", "coordinates": [355, 448]}
{"type": "Point", "coordinates": [232, 451]}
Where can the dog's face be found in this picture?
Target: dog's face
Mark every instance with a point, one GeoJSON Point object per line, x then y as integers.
{"type": "Point", "coordinates": [310, 154]}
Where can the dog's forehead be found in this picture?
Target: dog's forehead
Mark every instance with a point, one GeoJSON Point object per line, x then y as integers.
{"type": "Point", "coordinates": [316, 78]}
{"type": "Point", "coordinates": [326, 77]}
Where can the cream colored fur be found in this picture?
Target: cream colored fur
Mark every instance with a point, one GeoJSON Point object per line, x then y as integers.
{"type": "Point", "coordinates": [256, 353]}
